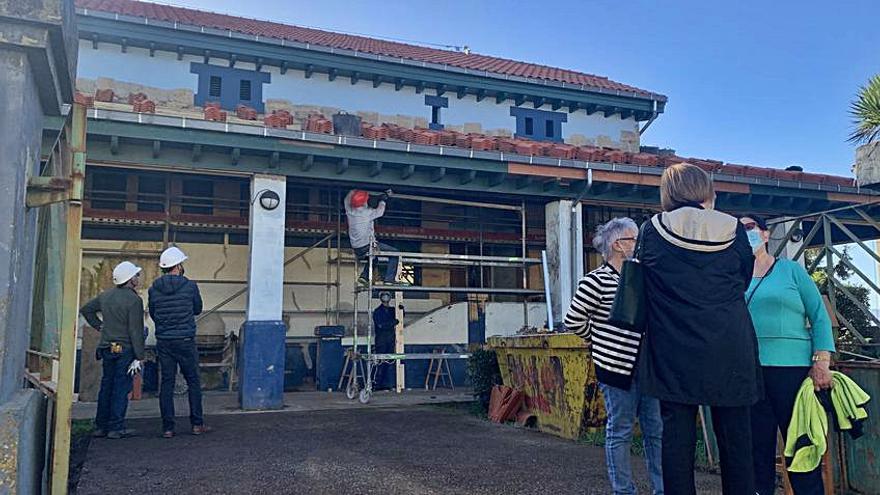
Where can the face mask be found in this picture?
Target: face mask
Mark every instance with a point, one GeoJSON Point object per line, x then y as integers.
{"type": "Point", "coordinates": [755, 239]}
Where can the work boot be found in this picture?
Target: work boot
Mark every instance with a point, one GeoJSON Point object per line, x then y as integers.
{"type": "Point", "coordinates": [117, 434]}
{"type": "Point", "coordinates": [99, 433]}
{"type": "Point", "coordinates": [201, 429]}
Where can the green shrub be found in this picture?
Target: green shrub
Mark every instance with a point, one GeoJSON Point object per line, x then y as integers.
{"type": "Point", "coordinates": [484, 374]}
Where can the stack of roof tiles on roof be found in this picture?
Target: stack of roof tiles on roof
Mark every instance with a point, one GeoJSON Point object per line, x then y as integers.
{"type": "Point", "coordinates": [473, 61]}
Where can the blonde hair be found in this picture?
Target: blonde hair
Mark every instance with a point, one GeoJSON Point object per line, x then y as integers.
{"type": "Point", "coordinates": [683, 184]}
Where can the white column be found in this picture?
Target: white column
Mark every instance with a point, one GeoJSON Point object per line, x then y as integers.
{"type": "Point", "coordinates": [266, 248]}
{"type": "Point", "coordinates": [565, 247]}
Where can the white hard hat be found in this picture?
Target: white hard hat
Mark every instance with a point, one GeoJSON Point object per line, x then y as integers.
{"type": "Point", "coordinates": [171, 257]}
{"type": "Point", "coordinates": [124, 272]}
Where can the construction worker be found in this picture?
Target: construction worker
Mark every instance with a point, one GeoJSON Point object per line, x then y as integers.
{"type": "Point", "coordinates": [121, 348]}
{"type": "Point", "coordinates": [361, 232]}
{"type": "Point", "coordinates": [384, 325]}
{"type": "Point", "coordinates": [174, 302]}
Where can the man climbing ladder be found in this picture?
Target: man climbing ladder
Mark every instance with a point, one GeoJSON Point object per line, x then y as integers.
{"type": "Point", "coordinates": [361, 217]}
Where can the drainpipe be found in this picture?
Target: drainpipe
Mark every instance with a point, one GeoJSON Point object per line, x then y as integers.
{"type": "Point", "coordinates": [573, 254]}
{"type": "Point", "coordinates": [654, 116]}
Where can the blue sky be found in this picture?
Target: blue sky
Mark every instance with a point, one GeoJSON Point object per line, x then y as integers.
{"type": "Point", "coordinates": [750, 82]}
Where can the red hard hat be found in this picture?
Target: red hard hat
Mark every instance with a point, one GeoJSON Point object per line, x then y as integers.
{"type": "Point", "coordinates": [359, 198]}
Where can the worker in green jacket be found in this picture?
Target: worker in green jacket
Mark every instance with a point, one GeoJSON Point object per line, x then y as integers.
{"type": "Point", "coordinates": [121, 348]}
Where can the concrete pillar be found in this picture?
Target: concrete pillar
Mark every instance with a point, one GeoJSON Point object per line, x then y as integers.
{"type": "Point", "coordinates": [263, 333]}
{"type": "Point", "coordinates": [565, 246]}
{"type": "Point", "coordinates": [37, 63]}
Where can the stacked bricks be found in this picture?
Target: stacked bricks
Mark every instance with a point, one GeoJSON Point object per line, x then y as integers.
{"type": "Point", "coordinates": [317, 123]}
{"type": "Point", "coordinates": [484, 143]}
{"type": "Point", "coordinates": [645, 159]}
{"type": "Point", "coordinates": [447, 138]}
{"type": "Point", "coordinates": [85, 100]}
{"type": "Point", "coordinates": [144, 106]}
{"type": "Point", "coordinates": [104, 95]}
{"type": "Point", "coordinates": [527, 148]}
{"type": "Point", "coordinates": [375, 132]}
{"type": "Point", "coordinates": [588, 153]}
{"type": "Point", "coordinates": [506, 145]}
{"type": "Point", "coordinates": [215, 114]}
{"type": "Point", "coordinates": [245, 112]}
{"type": "Point", "coordinates": [463, 140]}
{"type": "Point", "coordinates": [564, 151]}
{"type": "Point", "coordinates": [136, 97]}
{"type": "Point", "coordinates": [426, 137]}
{"type": "Point", "coordinates": [278, 119]}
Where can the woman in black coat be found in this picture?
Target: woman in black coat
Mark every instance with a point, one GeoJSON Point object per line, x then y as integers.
{"type": "Point", "coordinates": [699, 347]}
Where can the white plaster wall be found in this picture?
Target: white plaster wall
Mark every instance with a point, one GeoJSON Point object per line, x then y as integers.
{"type": "Point", "coordinates": [506, 319]}
{"type": "Point", "coordinates": [164, 71]}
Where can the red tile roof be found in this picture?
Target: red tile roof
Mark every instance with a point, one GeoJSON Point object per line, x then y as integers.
{"type": "Point", "coordinates": [470, 61]}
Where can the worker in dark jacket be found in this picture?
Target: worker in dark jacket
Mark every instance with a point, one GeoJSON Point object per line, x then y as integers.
{"type": "Point", "coordinates": [384, 325]}
{"type": "Point", "coordinates": [700, 346]}
{"type": "Point", "coordinates": [174, 302]}
{"type": "Point", "coordinates": [121, 348]}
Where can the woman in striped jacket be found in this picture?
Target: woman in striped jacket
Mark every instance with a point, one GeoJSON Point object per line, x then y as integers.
{"type": "Point", "coordinates": [615, 355]}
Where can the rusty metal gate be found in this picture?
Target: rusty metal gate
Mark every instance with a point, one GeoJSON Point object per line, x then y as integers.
{"type": "Point", "coordinates": [51, 356]}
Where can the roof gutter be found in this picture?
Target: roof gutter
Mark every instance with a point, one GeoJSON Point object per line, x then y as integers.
{"type": "Point", "coordinates": [654, 115]}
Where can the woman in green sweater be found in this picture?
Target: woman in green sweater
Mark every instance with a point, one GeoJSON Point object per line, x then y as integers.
{"type": "Point", "coordinates": [794, 341]}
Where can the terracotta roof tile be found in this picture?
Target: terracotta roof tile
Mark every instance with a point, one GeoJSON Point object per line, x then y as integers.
{"type": "Point", "coordinates": [472, 61]}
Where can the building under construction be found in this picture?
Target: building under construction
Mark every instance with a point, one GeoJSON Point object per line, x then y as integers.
{"type": "Point", "coordinates": [192, 115]}
{"type": "Point", "coordinates": [187, 127]}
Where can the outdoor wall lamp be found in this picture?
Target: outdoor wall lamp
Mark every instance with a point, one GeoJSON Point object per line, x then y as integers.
{"type": "Point", "coordinates": [269, 199]}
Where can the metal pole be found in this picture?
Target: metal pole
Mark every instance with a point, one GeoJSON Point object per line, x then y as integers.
{"type": "Point", "coordinates": [70, 304]}
{"type": "Point", "coordinates": [339, 252]}
{"type": "Point", "coordinates": [329, 262]}
{"type": "Point", "coordinates": [368, 385]}
{"type": "Point", "coordinates": [829, 263]}
{"type": "Point", "coordinates": [457, 202]}
{"type": "Point", "coordinates": [245, 288]}
{"type": "Point", "coordinates": [547, 290]}
{"type": "Point", "coordinates": [525, 272]}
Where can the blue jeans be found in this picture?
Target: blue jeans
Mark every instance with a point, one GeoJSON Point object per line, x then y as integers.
{"type": "Point", "coordinates": [183, 353]}
{"type": "Point", "coordinates": [623, 407]}
{"type": "Point", "coordinates": [390, 270]}
{"type": "Point", "coordinates": [115, 386]}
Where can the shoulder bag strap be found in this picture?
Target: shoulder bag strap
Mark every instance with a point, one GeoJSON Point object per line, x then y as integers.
{"type": "Point", "coordinates": [637, 253]}
{"type": "Point", "coordinates": [765, 277]}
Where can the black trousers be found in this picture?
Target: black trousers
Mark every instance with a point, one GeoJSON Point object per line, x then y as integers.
{"type": "Point", "coordinates": [733, 431]}
{"type": "Point", "coordinates": [770, 415]}
{"type": "Point", "coordinates": [183, 353]}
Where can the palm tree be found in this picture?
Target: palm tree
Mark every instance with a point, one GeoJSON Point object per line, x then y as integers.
{"type": "Point", "coordinates": [865, 112]}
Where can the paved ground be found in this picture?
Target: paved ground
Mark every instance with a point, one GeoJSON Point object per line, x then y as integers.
{"type": "Point", "coordinates": [219, 403]}
{"type": "Point", "coordinates": [418, 449]}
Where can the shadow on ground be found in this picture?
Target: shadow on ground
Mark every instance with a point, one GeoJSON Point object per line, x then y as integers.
{"type": "Point", "coordinates": [421, 449]}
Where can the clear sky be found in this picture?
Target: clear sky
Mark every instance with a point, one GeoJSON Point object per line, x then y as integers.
{"type": "Point", "coordinates": [754, 82]}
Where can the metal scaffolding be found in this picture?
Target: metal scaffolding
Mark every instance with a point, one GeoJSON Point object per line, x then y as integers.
{"type": "Point", "coordinates": [369, 361]}
{"type": "Point", "coordinates": [816, 239]}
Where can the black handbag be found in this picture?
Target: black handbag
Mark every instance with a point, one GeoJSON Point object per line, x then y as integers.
{"type": "Point", "coordinates": [630, 306]}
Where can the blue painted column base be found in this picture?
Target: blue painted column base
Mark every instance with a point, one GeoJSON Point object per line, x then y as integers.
{"type": "Point", "coordinates": [261, 366]}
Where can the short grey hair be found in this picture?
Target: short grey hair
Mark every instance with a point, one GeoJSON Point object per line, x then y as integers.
{"type": "Point", "coordinates": [609, 232]}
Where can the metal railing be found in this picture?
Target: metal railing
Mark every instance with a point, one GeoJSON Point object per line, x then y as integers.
{"type": "Point", "coordinates": [824, 240]}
